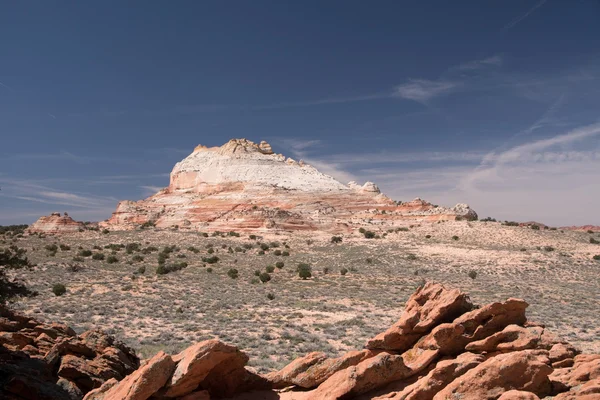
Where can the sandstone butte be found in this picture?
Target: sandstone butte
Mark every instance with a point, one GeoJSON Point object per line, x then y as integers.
{"type": "Point", "coordinates": [246, 186]}
{"type": "Point", "coordinates": [443, 347]}
{"type": "Point", "coordinates": [55, 223]}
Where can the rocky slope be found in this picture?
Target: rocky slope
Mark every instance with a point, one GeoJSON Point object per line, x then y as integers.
{"type": "Point", "coordinates": [50, 362]}
{"type": "Point", "coordinates": [443, 347]}
{"type": "Point", "coordinates": [55, 223]}
{"type": "Point", "coordinates": [245, 186]}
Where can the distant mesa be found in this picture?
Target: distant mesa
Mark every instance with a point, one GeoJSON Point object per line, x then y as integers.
{"type": "Point", "coordinates": [56, 223]}
{"type": "Point", "coordinates": [242, 185]}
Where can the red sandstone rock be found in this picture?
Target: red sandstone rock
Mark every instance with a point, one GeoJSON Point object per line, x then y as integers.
{"type": "Point", "coordinates": [314, 368]}
{"type": "Point", "coordinates": [525, 370]}
{"type": "Point", "coordinates": [141, 384]}
{"type": "Point", "coordinates": [374, 373]}
{"type": "Point", "coordinates": [55, 223]}
{"type": "Point", "coordinates": [511, 338]}
{"type": "Point", "coordinates": [197, 362]}
{"type": "Point", "coordinates": [427, 307]}
{"type": "Point", "coordinates": [245, 186]}
{"type": "Point", "coordinates": [518, 395]}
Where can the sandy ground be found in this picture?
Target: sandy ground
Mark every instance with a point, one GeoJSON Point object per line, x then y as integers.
{"type": "Point", "coordinates": [553, 270]}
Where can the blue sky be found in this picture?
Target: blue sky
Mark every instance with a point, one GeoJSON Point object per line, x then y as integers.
{"type": "Point", "coordinates": [495, 104]}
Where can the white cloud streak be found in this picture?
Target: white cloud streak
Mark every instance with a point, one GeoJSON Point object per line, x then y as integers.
{"type": "Point", "coordinates": [520, 18]}
{"type": "Point", "coordinates": [423, 90]}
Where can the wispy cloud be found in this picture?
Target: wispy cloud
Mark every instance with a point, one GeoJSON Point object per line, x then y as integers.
{"type": "Point", "coordinates": [495, 60]}
{"type": "Point", "coordinates": [423, 90]}
{"type": "Point", "coordinates": [6, 86]}
{"type": "Point", "coordinates": [52, 116]}
{"type": "Point", "coordinates": [521, 17]}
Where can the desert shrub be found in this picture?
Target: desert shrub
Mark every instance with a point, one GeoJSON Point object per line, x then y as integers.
{"type": "Point", "coordinates": [343, 271]}
{"type": "Point", "coordinates": [78, 259]}
{"type": "Point", "coordinates": [59, 289]}
{"type": "Point", "coordinates": [325, 270]}
{"type": "Point", "coordinates": [131, 247]}
{"type": "Point", "coordinates": [247, 246]}
{"type": "Point", "coordinates": [285, 253]}
{"type": "Point", "coordinates": [112, 259]}
{"type": "Point", "coordinates": [304, 270]}
{"type": "Point", "coordinates": [261, 253]}
{"type": "Point", "coordinates": [590, 231]}
{"type": "Point", "coordinates": [137, 258]}
{"type": "Point", "coordinates": [362, 230]}
{"type": "Point", "coordinates": [254, 281]}
{"type": "Point", "coordinates": [64, 247]}
{"type": "Point", "coordinates": [162, 258]}
{"type": "Point", "coordinates": [98, 256]}
{"type": "Point", "coordinates": [264, 246]}
{"type": "Point", "coordinates": [209, 270]}
{"type": "Point", "coordinates": [105, 231]}
{"type": "Point", "coordinates": [369, 261]}
{"type": "Point", "coordinates": [210, 250]}
{"type": "Point", "coordinates": [264, 277]}
{"type": "Point", "coordinates": [210, 260]}
{"type": "Point", "coordinates": [233, 273]}
{"type": "Point", "coordinates": [252, 237]}
{"type": "Point", "coordinates": [472, 274]}
{"type": "Point", "coordinates": [12, 258]}
{"type": "Point", "coordinates": [279, 264]}
{"type": "Point", "coordinates": [277, 252]}
{"type": "Point", "coordinates": [257, 272]}
{"type": "Point", "coordinates": [454, 237]}
{"type": "Point", "coordinates": [84, 253]}
{"type": "Point", "coordinates": [148, 250]}
{"type": "Point", "coordinates": [193, 249]}
{"type": "Point", "coordinates": [274, 244]}
{"type": "Point", "coordinates": [593, 241]}
{"type": "Point", "coordinates": [511, 223]}
{"type": "Point", "coordinates": [596, 257]}
{"type": "Point", "coordinates": [427, 236]}
{"type": "Point", "coordinates": [238, 249]}
{"type": "Point", "coordinates": [270, 296]}
{"type": "Point", "coordinates": [411, 257]}
{"type": "Point", "coordinates": [523, 249]}
{"type": "Point", "coordinates": [181, 255]}
{"type": "Point", "coordinates": [51, 248]}
{"type": "Point", "coordinates": [336, 239]}
{"type": "Point", "coordinates": [115, 247]}
{"type": "Point", "coordinates": [369, 234]}
{"type": "Point", "coordinates": [548, 248]}
{"type": "Point", "coordinates": [163, 269]}
{"type": "Point", "coordinates": [270, 268]}
{"type": "Point", "coordinates": [402, 229]}
{"type": "Point", "coordinates": [96, 247]}
{"type": "Point", "coordinates": [148, 224]}
{"type": "Point", "coordinates": [141, 270]}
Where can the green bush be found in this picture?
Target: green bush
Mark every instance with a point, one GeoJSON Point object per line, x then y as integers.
{"type": "Point", "coordinates": [596, 257]}
{"type": "Point", "coordinates": [51, 248]}
{"type": "Point", "coordinates": [59, 289]}
{"type": "Point", "coordinates": [336, 239]}
{"type": "Point", "coordinates": [548, 248]}
{"type": "Point", "coordinates": [594, 241]}
{"type": "Point", "coordinates": [64, 247]}
{"type": "Point", "coordinates": [279, 264]}
{"type": "Point", "coordinates": [270, 268]}
{"type": "Point", "coordinates": [369, 234]}
{"type": "Point", "coordinates": [285, 253]}
{"type": "Point", "coordinates": [261, 253]}
{"type": "Point", "coordinates": [454, 237]}
{"type": "Point", "coordinates": [277, 252]}
{"type": "Point", "coordinates": [209, 270]}
{"type": "Point", "coordinates": [343, 271]}
{"type": "Point", "coordinates": [137, 258]}
{"type": "Point", "coordinates": [210, 250]}
{"type": "Point", "coordinates": [98, 256]}
{"type": "Point", "coordinates": [472, 274]}
{"type": "Point", "coordinates": [148, 224]}
{"type": "Point", "coordinates": [304, 270]}
{"type": "Point", "coordinates": [233, 273]}
{"type": "Point", "coordinates": [252, 237]}
{"type": "Point", "coordinates": [105, 231]}
{"type": "Point", "coordinates": [210, 260]}
{"type": "Point", "coordinates": [131, 247]}
{"type": "Point", "coordinates": [325, 270]}
{"type": "Point", "coordinates": [257, 272]}
{"type": "Point", "coordinates": [84, 253]}
{"type": "Point", "coordinates": [427, 236]}
{"type": "Point", "coordinates": [362, 230]}
{"type": "Point", "coordinates": [112, 259]}
{"type": "Point", "coordinates": [264, 246]}
{"type": "Point", "coordinates": [411, 257]}
{"type": "Point", "coordinates": [264, 277]}
{"type": "Point", "coordinates": [141, 270]}
{"type": "Point", "coordinates": [270, 296]}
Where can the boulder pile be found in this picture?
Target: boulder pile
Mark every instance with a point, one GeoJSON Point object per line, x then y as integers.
{"type": "Point", "coordinates": [443, 347]}
{"type": "Point", "coordinates": [49, 361]}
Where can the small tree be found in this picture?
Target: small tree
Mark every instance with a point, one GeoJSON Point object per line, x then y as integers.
{"type": "Point", "coordinates": [59, 289]}
{"type": "Point", "coordinates": [233, 273]}
{"type": "Point", "coordinates": [304, 271]}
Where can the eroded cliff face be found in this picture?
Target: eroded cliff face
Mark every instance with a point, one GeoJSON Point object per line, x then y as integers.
{"type": "Point", "coordinates": [246, 186]}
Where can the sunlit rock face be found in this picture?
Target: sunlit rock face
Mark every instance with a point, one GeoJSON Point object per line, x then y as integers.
{"type": "Point", "coordinates": [242, 185]}
{"type": "Point", "coordinates": [55, 223]}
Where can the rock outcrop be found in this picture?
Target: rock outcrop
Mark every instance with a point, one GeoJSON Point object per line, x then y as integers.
{"type": "Point", "coordinates": [49, 361]}
{"type": "Point", "coordinates": [246, 186]}
{"type": "Point", "coordinates": [56, 223]}
{"type": "Point", "coordinates": [451, 349]}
